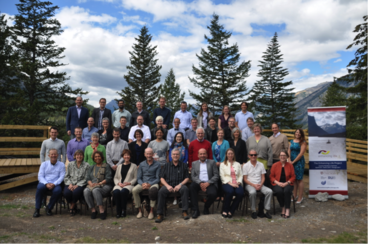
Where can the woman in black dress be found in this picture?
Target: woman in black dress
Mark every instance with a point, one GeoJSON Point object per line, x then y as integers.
{"type": "Point", "coordinates": [105, 133]}
{"type": "Point", "coordinates": [239, 146]}
{"type": "Point", "coordinates": [137, 148]}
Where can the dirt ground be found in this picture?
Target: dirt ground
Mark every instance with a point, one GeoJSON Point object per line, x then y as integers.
{"type": "Point", "coordinates": [312, 220]}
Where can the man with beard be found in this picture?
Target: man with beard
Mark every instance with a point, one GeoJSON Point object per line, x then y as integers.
{"type": "Point", "coordinates": [120, 112]}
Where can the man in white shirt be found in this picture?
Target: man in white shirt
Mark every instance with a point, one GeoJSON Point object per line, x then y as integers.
{"type": "Point", "coordinates": [184, 116]}
{"type": "Point", "coordinates": [114, 149]}
{"type": "Point", "coordinates": [145, 129]}
{"type": "Point", "coordinates": [254, 176]}
{"type": "Point", "coordinates": [248, 131]}
{"type": "Point", "coordinates": [242, 116]}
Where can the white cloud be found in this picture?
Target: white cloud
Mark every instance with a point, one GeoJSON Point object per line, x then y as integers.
{"type": "Point", "coordinates": [97, 44]}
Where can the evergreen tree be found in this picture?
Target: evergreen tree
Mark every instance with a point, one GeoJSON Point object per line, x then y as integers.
{"type": "Point", "coordinates": [43, 91]}
{"type": "Point", "coordinates": [357, 101]}
{"type": "Point", "coordinates": [171, 91]}
{"type": "Point", "coordinates": [270, 95]}
{"type": "Point", "coordinates": [219, 77]}
{"type": "Point", "coordinates": [143, 74]}
{"type": "Point", "coordinates": [9, 85]}
{"type": "Point", "coordinates": [334, 96]}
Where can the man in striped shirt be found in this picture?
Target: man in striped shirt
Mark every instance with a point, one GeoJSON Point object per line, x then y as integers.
{"type": "Point", "coordinates": [174, 176]}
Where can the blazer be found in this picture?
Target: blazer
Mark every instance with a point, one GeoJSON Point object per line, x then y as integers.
{"type": "Point", "coordinates": [73, 121]}
{"type": "Point", "coordinates": [276, 172]}
{"type": "Point", "coordinates": [134, 158]}
{"type": "Point", "coordinates": [96, 115]}
{"type": "Point", "coordinates": [130, 177]}
{"type": "Point", "coordinates": [200, 119]}
{"type": "Point", "coordinates": [240, 149]}
{"type": "Point", "coordinates": [212, 170]}
{"type": "Point", "coordinates": [208, 134]}
{"type": "Point", "coordinates": [225, 173]}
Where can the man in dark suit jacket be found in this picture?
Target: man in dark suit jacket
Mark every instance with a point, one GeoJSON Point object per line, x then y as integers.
{"type": "Point", "coordinates": [205, 175]}
{"type": "Point", "coordinates": [99, 113]}
{"type": "Point", "coordinates": [77, 116]}
{"type": "Point", "coordinates": [140, 111]}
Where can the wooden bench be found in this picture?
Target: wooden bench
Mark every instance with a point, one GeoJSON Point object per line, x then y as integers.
{"type": "Point", "coordinates": [14, 167]}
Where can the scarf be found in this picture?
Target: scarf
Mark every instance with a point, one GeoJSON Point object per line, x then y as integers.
{"type": "Point", "coordinates": [95, 148]}
{"type": "Point", "coordinates": [179, 145]}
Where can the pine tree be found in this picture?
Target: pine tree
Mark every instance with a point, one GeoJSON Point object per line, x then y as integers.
{"type": "Point", "coordinates": [43, 92]}
{"type": "Point", "coordinates": [357, 101]}
{"type": "Point", "coordinates": [334, 96]}
{"type": "Point", "coordinates": [143, 74]}
{"type": "Point", "coordinates": [270, 95]}
{"type": "Point", "coordinates": [219, 77]}
{"type": "Point", "coordinates": [171, 91]}
{"type": "Point", "coordinates": [9, 85]}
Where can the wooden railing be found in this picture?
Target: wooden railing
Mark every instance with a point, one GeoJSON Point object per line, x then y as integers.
{"type": "Point", "coordinates": [23, 151]}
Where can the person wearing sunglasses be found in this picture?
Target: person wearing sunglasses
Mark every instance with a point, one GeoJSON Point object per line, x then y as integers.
{"type": "Point", "coordinates": [254, 176]}
{"type": "Point", "coordinates": [282, 179]}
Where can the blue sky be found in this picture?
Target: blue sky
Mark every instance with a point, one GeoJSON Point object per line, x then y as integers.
{"type": "Point", "coordinates": [98, 34]}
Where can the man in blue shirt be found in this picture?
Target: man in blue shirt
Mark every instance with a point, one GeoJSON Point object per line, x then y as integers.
{"type": "Point", "coordinates": [88, 131]}
{"type": "Point", "coordinates": [76, 143]}
{"type": "Point", "coordinates": [148, 178]}
{"type": "Point", "coordinates": [164, 112]}
{"type": "Point", "coordinates": [184, 116]}
{"type": "Point", "coordinates": [242, 116]}
{"type": "Point", "coordinates": [50, 176]}
{"type": "Point", "coordinates": [172, 132]}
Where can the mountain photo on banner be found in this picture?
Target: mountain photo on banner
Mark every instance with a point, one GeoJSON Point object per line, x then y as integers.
{"type": "Point", "coordinates": [272, 99]}
{"type": "Point", "coordinates": [219, 76]}
{"type": "Point", "coordinates": [143, 75]}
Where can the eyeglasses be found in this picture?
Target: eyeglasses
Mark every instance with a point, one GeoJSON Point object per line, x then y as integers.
{"type": "Point", "coordinates": [253, 155]}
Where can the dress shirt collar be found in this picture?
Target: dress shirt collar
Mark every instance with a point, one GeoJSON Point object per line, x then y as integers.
{"type": "Point", "coordinates": [245, 112]}
{"type": "Point", "coordinates": [278, 133]}
{"type": "Point", "coordinates": [200, 140]}
{"type": "Point", "coordinates": [53, 140]}
{"type": "Point", "coordinates": [172, 164]}
{"type": "Point", "coordinates": [176, 128]}
{"type": "Point", "coordinates": [181, 111]}
{"type": "Point", "coordinates": [205, 161]}
{"type": "Point", "coordinates": [81, 139]}
{"type": "Point", "coordinates": [53, 164]}
{"type": "Point", "coordinates": [102, 109]}
{"type": "Point", "coordinates": [91, 128]}
{"type": "Point", "coordinates": [78, 107]}
{"type": "Point", "coordinates": [140, 111]}
{"type": "Point", "coordinates": [140, 126]}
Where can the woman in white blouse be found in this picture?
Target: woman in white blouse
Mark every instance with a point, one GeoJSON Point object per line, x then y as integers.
{"type": "Point", "coordinates": [232, 181]}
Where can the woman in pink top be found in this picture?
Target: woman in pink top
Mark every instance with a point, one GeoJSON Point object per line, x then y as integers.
{"type": "Point", "coordinates": [232, 181]}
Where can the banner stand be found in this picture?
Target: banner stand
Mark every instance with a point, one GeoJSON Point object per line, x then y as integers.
{"type": "Point", "coordinates": [327, 151]}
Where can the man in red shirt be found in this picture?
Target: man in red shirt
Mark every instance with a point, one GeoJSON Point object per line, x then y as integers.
{"type": "Point", "coordinates": [197, 144]}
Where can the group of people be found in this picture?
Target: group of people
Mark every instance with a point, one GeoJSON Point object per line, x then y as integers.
{"type": "Point", "coordinates": [221, 158]}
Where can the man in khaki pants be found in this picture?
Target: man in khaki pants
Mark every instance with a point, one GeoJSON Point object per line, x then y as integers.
{"type": "Point", "coordinates": [148, 177]}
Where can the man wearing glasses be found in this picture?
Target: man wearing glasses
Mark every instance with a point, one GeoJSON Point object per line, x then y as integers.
{"type": "Point", "coordinates": [254, 175]}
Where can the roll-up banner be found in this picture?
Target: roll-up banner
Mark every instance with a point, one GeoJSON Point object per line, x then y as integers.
{"type": "Point", "coordinates": [327, 151]}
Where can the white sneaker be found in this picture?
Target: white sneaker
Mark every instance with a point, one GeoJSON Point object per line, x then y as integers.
{"type": "Point", "coordinates": [150, 216]}
{"type": "Point", "coordinates": [175, 202]}
{"type": "Point", "coordinates": [139, 215]}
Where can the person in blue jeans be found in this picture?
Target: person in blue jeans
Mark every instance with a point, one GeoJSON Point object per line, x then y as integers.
{"type": "Point", "coordinates": [232, 180]}
{"type": "Point", "coordinates": [50, 176]}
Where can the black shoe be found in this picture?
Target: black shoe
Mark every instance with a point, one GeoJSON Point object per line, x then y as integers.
{"type": "Point", "coordinates": [103, 216]}
{"type": "Point", "coordinates": [36, 213]}
{"type": "Point", "coordinates": [224, 215]}
{"type": "Point", "coordinates": [185, 215]}
{"type": "Point", "coordinates": [123, 214]}
{"type": "Point", "coordinates": [159, 218]}
{"type": "Point", "coordinates": [93, 215]}
{"type": "Point", "coordinates": [268, 215]}
{"type": "Point", "coordinates": [195, 214]}
{"type": "Point", "coordinates": [48, 212]}
{"type": "Point", "coordinates": [254, 215]}
{"type": "Point", "coordinates": [229, 216]}
{"type": "Point", "coordinates": [206, 211]}
{"type": "Point", "coordinates": [261, 214]}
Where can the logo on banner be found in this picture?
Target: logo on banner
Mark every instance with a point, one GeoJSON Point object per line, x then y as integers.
{"type": "Point", "coordinates": [324, 152]}
{"type": "Point", "coordinates": [323, 183]}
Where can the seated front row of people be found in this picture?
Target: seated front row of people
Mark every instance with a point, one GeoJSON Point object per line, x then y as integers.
{"type": "Point", "coordinates": [96, 182]}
